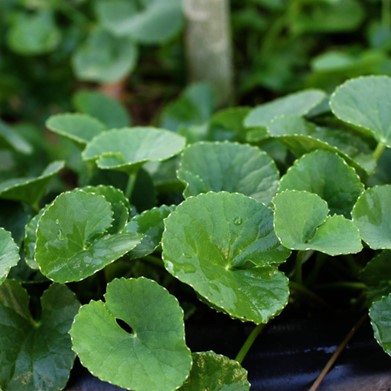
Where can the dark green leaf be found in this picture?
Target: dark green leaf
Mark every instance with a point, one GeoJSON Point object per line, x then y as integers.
{"type": "Point", "coordinates": [380, 314]}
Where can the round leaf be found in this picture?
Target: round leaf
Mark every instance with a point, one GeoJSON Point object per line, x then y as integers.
{"type": "Point", "coordinates": [326, 174]}
{"type": "Point", "coordinates": [215, 372]}
{"type": "Point", "coordinates": [9, 254]}
{"type": "Point", "coordinates": [152, 355]}
{"type": "Point", "coordinates": [128, 148]}
{"type": "Point", "coordinates": [77, 127]}
{"type": "Point", "coordinates": [72, 240]}
{"type": "Point", "coordinates": [372, 215]}
{"type": "Point", "coordinates": [365, 102]}
{"type": "Point", "coordinates": [224, 246]}
{"type": "Point", "coordinates": [35, 355]}
{"type": "Point", "coordinates": [380, 314]}
{"type": "Point", "coordinates": [204, 166]}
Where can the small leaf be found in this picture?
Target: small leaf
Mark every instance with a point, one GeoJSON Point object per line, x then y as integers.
{"type": "Point", "coordinates": [372, 215]}
{"type": "Point", "coordinates": [327, 175]}
{"type": "Point", "coordinates": [301, 222]}
{"type": "Point", "coordinates": [72, 237]}
{"type": "Point", "coordinates": [30, 239]}
{"type": "Point", "coordinates": [150, 224]}
{"type": "Point", "coordinates": [12, 139]}
{"type": "Point", "coordinates": [204, 167]}
{"type": "Point", "coordinates": [364, 102]}
{"type": "Point", "coordinates": [102, 107]}
{"type": "Point", "coordinates": [9, 254]}
{"type": "Point", "coordinates": [215, 372]}
{"type": "Point", "coordinates": [300, 103]}
{"type": "Point", "coordinates": [77, 127]}
{"type": "Point", "coordinates": [129, 148]}
{"type": "Point", "coordinates": [224, 246]}
{"type": "Point", "coordinates": [35, 355]}
{"type": "Point", "coordinates": [380, 314]}
{"type": "Point", "coordinates": [153, 356]}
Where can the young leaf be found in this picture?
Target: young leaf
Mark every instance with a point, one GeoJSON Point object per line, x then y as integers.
{"type": "Point", "coordinates": [128, 148]}
{"type": "Point", "coordinates": [12, 139]}
{"type": "Point", "coordinates": [35, 354]}
{"type": "Point", "coordinates": [150, 354]}
{"type": "Point", "coordinates": [77, 127]}
{"type": "Point", "coordinates": [9, 253]}
{"type": "Point", "coordinates": [72, 237]}
{"type": "Point", "coordinates": [299, 103]}
{"type": "Point", "coordinates": [224, 246]}
{"type": "Point", "coordinates": [380, 314]}
{"type": "Point", "coordinates": [204, 167]}
{"type": "Point", "coordinates": [327, 175]}
{"type": "Point", "coordinates": [211, 371]}
{"type": "Point", "coordinates": [364, 102]}
{"type": "Point", "coordinates": [30, 238]}
{"type": "Point", "coordinates": [301, 222]}
{"type": "Point", "coordinates": [372, 215]}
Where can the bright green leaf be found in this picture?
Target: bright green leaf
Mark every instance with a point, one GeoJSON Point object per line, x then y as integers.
{"type": "Point", "coordinates": [30, 239]}
{"type": "Point", "coordinates": [224, 246]}
{"type": "Point", "coordinates": [380, 314]}
{"type": "Point", "coordinates": [372, 215]}
{"type": "Point", "coordinates": [35, 354]}
{"type": "Point", "coordinates": [9, 253]}
{"type": "Point", "coordinates": [151, 355]}
{"type": "Point", "coordinates": [77, 127]}
{"type": "Point", "coordinates": [204, 167]}
{"type": "Point", "coordinates": [72, 237]}
{"type": "Point", "coordinates": [215, 372]}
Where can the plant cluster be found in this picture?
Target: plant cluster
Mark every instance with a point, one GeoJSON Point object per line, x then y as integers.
{"type": "Point", "coordinates": [241, 210]}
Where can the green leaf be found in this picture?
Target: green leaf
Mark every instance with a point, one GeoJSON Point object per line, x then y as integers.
{"type": "Point", "coordinates": [77, 127]}
{"type": "Point", "coordinates": [372, 215]}
{"type": "Point", "coordinates": [33, 34]}
{"type": "Point", "coordinates": [102, 107]}
{"type": "Point", "coordinates": [150, 225]}
{"type": "Point", "coordinates": [301, 222]}
{"type": "Point", "coordinates": [224, 246]}
{"type": "Point", "coordinates": [104, 58]}
{"type": "Point", "coordinates": [327, 175]}
{"type": "Point", "coordinates": [128, 148]}
{"type": "Point", "coordinates": [9, 253]}
{"type": "Point", "coordinates": [152, 355]}
{"type": "Point", "coordinates": [30, 239]}
{"type": "Point", "coordinates": [72, 237]}
{"type": "Point", "coordinates": [30, 190]}
{"type": "Point", "coordinates": [11, 138]}
{"type": "Point", "coordinates": [299, 103]}
{"type": "Point", "coordinates": [364, 103]}
{"type": "Point", "coordinates": [380, 314]}
{"type": "Point", "coordinates": [35, 354]}
{"type": "Point", "coordinates": [215, 372]}
{"type": "Point", "coordinates": [302, 137]}
{"type": "Point", "coordinates": [204, 167]}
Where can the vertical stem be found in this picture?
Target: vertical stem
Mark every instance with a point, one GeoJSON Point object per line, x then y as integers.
{"type": "Point", "coordinates": [386, 13]}
{"type": "Point", "coordinates": [130, 184]}
{"type": "Point", "coordinates": [249, 342]}
{"type": "Point", "coordinates": [378, 151]}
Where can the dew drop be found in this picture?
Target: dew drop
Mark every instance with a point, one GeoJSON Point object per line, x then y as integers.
{"type": "Point", "coordinates": [238, 221]}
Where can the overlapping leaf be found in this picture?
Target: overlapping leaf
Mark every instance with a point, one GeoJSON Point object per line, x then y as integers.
{"type": "Point", "coordinates": [9, 253]}
{"type": "Point", "coordinates": [224, 246]}
{"type": "Point", "coordinates": [151, 355]}
{"type": "Point", "coordinates": [380, 314]}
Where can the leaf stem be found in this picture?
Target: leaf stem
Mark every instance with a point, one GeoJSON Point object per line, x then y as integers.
{"type": "Point", "coordinates": [378, 151]}
{"type": "Point", "coordinates": [130, 185]}
{"type": "Point", "coordinates": [386, 13]}
{"type": "Point", "coordinates": [301, 257]}
{"type": "Point", "coordinates": [303, 289]}
{"type": "Point", "coordinates": [343, 284]}
{"type": "Point", "coordinates": [249, 342]}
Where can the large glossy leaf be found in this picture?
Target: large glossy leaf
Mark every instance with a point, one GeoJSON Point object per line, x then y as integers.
{"type": "Point", "coordinates": [301, 222]}
{"type": "Point", "coordinates": [30, 190]}
{"type": "Point", "coordinates": [328, 175]}
{"type": "Point", "coordinates": [204, 167]}
{"type": "Point", "coordinates": [104, 58]}
{"type": "Point", "coordinates": [372, 215]}
{"type": "Point", "coordinates": [35, 354]}
{"type": "Point", "coordinates": [302, 137]}
{"type": "Point", "coordinates": [365, 102]}
{"type": "Point", "coordinates": [77, 127]}
{"type": "Point", "coordinates": [9, 254]}
{"type": "Point", "coordinates": [299, 103]}
{"type": "Point", "coordinates": [215, 372]}
{"type": "Point", "coordinates": [149, 353]}
{"type": "Point", "coordinates": [380, 314]}
{"type": "Point", "coordinates": [102, 107]}
{"type": "Point", "coordinates": [224, 246]}
{"type": "Point", "coordinates": [73, 240]}
{"type": "Point", "coordinates": [128, 148]}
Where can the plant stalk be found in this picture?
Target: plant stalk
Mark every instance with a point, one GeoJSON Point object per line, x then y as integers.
{"type": "Point", "coordinates": [130, 184]}
{"type": "Point", "coordinates": [249, 342]}
{"type": "Point", "coordinates": [378, 151]}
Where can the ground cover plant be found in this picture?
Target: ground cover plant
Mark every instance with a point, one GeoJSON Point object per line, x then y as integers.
{"type": "Point", "coordinates": [108, 252]}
